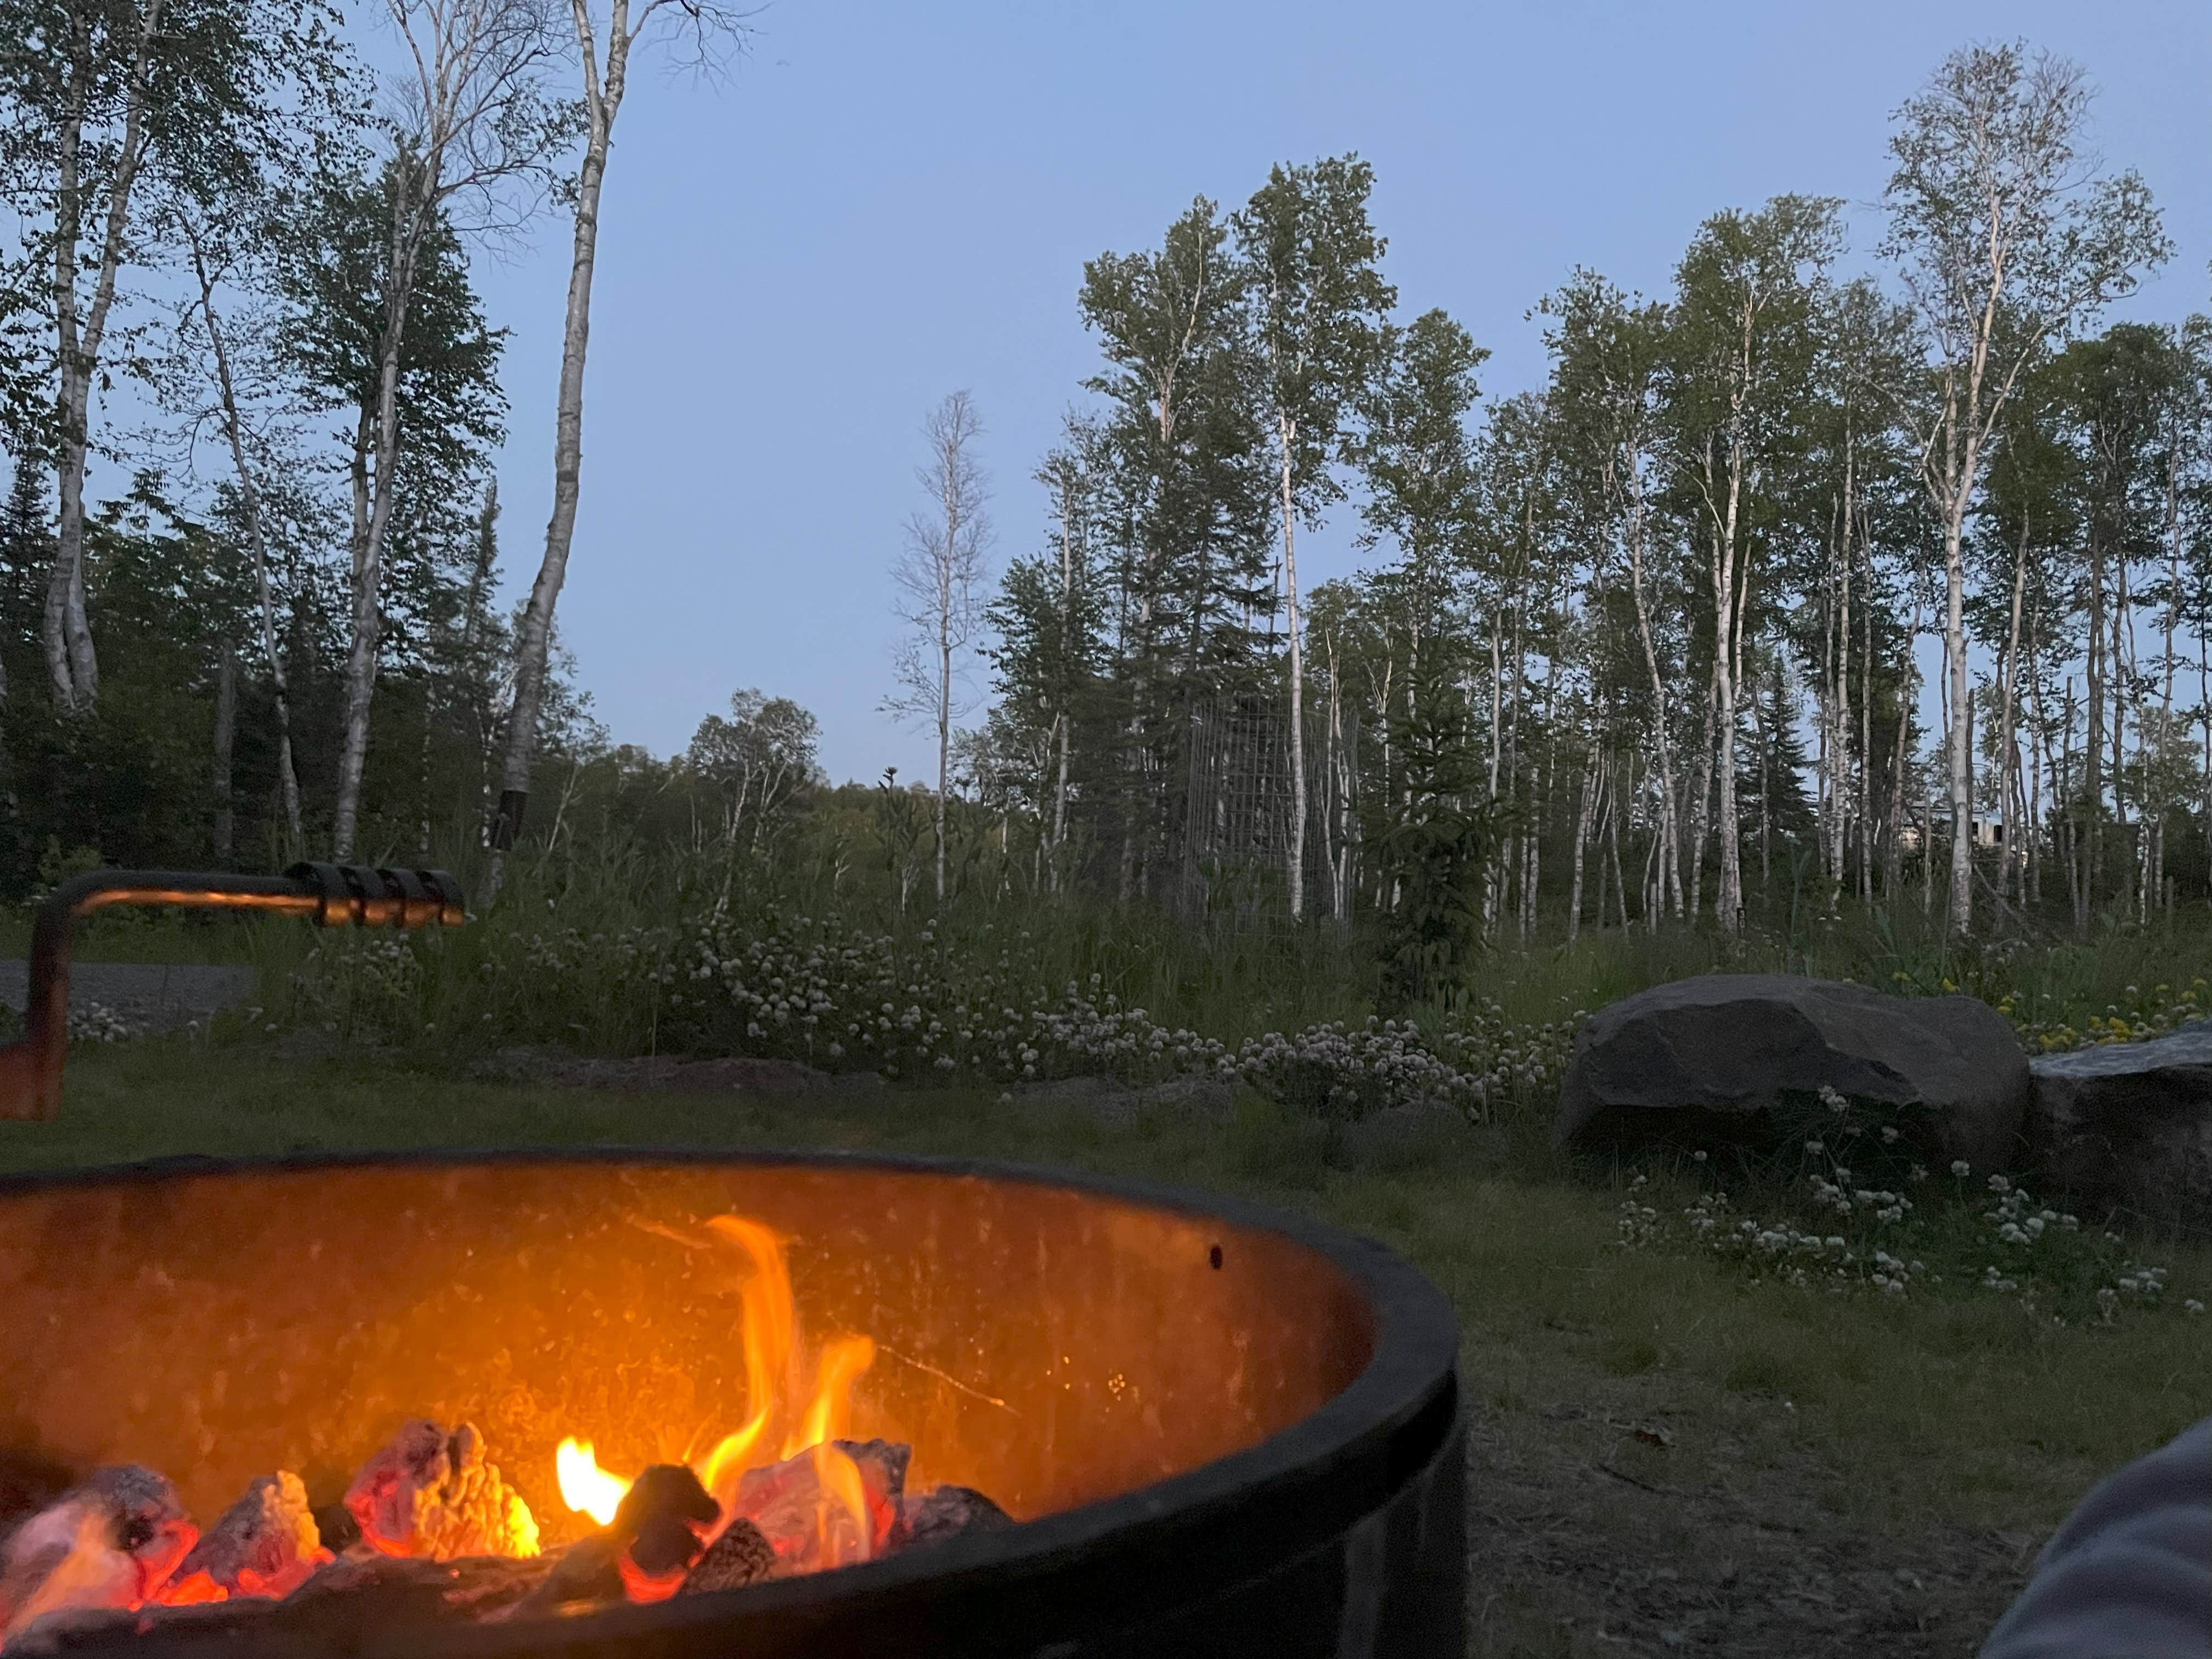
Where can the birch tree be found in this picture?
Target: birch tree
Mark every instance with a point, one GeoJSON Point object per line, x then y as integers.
{"type": "Point", "coordinates": [703, 30]}
{"type": "Point", "coordinates": [209, 263]}
{"type": "Point", "coordinates": [1419, 459]}
{"type": "Point", "coordinates": [1606, 360]}
{"type": "Point", "coordinates": [1188, 479]}
{"type": "Point", "coordinates": [1742, 352]}
{"type": "Point", "coordinates": [1047, 622]}
{"type": "Point", "coordinates": [1318, 305]}
{"type": "Point", "coordinates": [471, 131]}
{"type": "Point", "coordinates": [104, 102]}
{"type": "Point", "coordinates": [938, 580]}
{"type": "Point", "coordinates": [2009, 236]}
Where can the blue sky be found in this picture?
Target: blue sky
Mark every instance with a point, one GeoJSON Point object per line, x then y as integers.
{"type": "Point", "coordinates": [885, 202]}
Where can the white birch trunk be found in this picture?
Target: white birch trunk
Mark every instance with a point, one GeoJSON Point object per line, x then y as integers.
{"type": "Point", "coordinates": [1285, 432]}
{"type": "Point", "coordinates": [72, 664]}
{"type": "Point", "coordinates": [602, 96]}
{"type": "Point", "coordinates": [1667, 839]}
{"type": "Point", "coordinates": [249, 501]}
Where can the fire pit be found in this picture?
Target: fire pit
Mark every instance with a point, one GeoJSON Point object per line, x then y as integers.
{"type": "Point", "coordinates": [1218, 1429]}
{"type": "Point", "coordinates": [659, 1404]}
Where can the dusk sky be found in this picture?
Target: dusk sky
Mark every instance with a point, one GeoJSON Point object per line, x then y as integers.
{"type": "Point", "coordinates": [887, 202]}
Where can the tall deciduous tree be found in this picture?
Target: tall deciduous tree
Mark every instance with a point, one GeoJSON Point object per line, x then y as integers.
{"type": "Point", "coordinates": [1419, 460]}
{"type": "Point", "coordinates": [2009, 236]}
{"type": "Point", "coordinates": [471, 131]}
{"type": "Point", "coordinates": [422, 407]}
{"type": "Point", "coordinates": [939, 579]}
{"type": "Point", "coordinates": [1741, 348]}
{"type": "Point", "coordinates": [210, 256]}
{"type": "Point", "coordinates": [1608, 352]}
{"type": "Point", "coordinates": [704, 27]}
{"type": "Point", "coordinates": [1318, 303]}
{"type": "Point", "coordinates": [1187, 484]}
{"type": "Point", "coordinates": [104, 101]}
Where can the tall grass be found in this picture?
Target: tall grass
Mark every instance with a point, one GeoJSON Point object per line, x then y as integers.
{"type": "Point", "coordinates": [578, 949]}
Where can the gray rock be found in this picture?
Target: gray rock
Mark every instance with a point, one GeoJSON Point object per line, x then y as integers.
{"type": "Point", "coordinates": [557, 1065]}
{"type": "Point", "coordinates": [1732, 1057]}
{"type": "Point", "coordinates": [2129, 1126]}
{"type": "Point", "coordinates": [1113, 1104]}
{"type": "Point", "coordinates": [1194, 1095]}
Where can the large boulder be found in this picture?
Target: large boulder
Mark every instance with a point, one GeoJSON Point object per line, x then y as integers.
{"type": "Point", "coordinates": [2129, 1126]}
{"type": "Point", "coordinates": [1740, 1057]}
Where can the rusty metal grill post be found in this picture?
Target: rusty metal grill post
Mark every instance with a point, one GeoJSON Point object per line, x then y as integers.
{"type": "Point", "coordinates": [332, 895]}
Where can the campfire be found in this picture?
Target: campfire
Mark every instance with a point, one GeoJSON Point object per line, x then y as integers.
{"type": "Point", "coordinates": [428, 1522]}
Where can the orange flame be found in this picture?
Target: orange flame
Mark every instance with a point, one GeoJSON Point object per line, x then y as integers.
{"type": "Point", "coordinates": [841, 1363]}
{"type": "Point", "coordinates": [769, 1319]}
{"type": "Point", "coordinates": [840, 1479]}
{"type": "Point", "coordinates": [769, 1332]}
{"type": "Point", "coordinates": [584, 1486]}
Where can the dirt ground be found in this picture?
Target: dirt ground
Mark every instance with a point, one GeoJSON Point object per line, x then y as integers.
{"type": "Point", "coordinates": [1608, 1522]}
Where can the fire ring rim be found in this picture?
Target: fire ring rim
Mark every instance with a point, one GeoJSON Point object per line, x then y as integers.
{"type": "Point", "coordinates": [1401, 1408]}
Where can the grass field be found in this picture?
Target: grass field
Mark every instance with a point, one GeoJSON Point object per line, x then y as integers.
{"type": "Point", "coordinates": [1666, 1456]}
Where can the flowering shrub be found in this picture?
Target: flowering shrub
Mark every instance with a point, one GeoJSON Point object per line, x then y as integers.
{"type": "Point", "coordinates": [977, 1005]}
{"type": "Point", "coordinates": [812, 991]}
{"type": "Point", "coordinates": [2141, 1016]}
{"type": "Point", "coordinates": [96, 1022]}
{"type": "Point", "coordinates": [1989, 1237]}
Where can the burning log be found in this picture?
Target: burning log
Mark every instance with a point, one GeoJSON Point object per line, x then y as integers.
{"type": "Point", "coordinates": [662, 1523]}
{"type": "Point", "coordinates": [832, 1505]}
{"type": "Point", "coordinates": [431, 1495]}
{"type": "Point", "coordinates": [111, 1542]}
{"type": "Point", "coordinates": [643, 1554]}
{"type": "Point", "coordinates": [586, 1574]}
{"type": "Point", "coordinates": [266, 1544]}
{"type": "Point", "coordinates": [946, 1512]}
{"type": "Point", "coordinates": [741, 1555]}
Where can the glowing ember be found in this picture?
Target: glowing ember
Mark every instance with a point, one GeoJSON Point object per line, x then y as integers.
{"type": "Point", "coordinates": [113, 1542]}
{"type": "Point", "coordinates": [431, 1495]}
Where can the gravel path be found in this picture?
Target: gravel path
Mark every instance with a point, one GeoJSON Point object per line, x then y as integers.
{"type": "Point", "coordinates": [145, 996]}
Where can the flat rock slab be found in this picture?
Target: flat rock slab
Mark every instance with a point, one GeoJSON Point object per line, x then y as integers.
{"type": "Point", "coordinates": [1740, 1057]}
{"type": "Point", "coordinates": [1117, 1105]}
{"type": "Point", "coordinates": [2129, 1126]}
{"type": "Point", "coordinates": [665, 1073]}
{"type": "Point", "coordinates": [146, 996]}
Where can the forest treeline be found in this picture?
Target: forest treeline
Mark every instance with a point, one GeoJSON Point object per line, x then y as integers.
{"type": "Point", "coordinates": [237, 272]}
{"type": "Point", "coordinates": [1648, 636]}
{"type": "Point", "coordinates": [1639, 646]}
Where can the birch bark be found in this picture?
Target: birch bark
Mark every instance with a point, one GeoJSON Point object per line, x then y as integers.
{"type": "Point", "coordinates": [72, 664]}
{"type": "Point", "coordinates": [249, 499]}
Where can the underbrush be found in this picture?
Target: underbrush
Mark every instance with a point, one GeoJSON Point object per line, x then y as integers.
{"type": "Point", "coordinates": [621, 952]}
{"type": "Point", "coordinates": [946, 1000]}
{"type": "Point", "coordinates": [1853, 1208]}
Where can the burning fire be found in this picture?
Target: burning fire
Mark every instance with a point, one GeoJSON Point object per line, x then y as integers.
{"type": "Point", "coordinates": [786, 1490]}
{"type": "Point", "coordinates": [846, 1529]}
